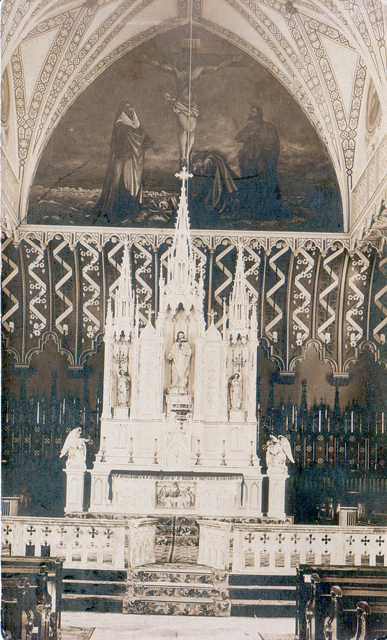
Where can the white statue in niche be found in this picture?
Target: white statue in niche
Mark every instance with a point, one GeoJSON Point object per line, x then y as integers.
{"type": "Point", "coordinates": [123, 388]}
{"type": "Point", "coordinates": [235, 386]}
{"type": "Point", "coordinates": [180, 357]}
{"type": "Point", "coordinates": [278, 450]}
{"type": "Point", "coordinates": [75, 448]}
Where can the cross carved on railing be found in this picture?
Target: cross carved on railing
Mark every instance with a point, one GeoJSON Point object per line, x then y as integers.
{"type": "Point", "coordinates": [310, 538]}
{"type": "Point", "coordinates": [365, 540]}
{"type": "Point", "coordinates": [31, 530]}
{"type": "Point", "coordinates": [325, 539]}
{"type": "Point", "coordinates": [108, 533]}
{"type": "Point", "coordinates": [379, 541]}
{"type": "Point", "coordinates": [78, 531]}
{"type": "Point", "coordinates": [265, 538]}
{"type": "Point", "coordinates": [93, 532]}
{"type": "Point", "coordinates": [280, 538]}
{"type": "Point", "coordinates": [350, 540]}
{"type": "Point", "coordinates": [7, 530]}
{"type": "Point", "coordinates": [295, 538]}
{"type": "Point", "coordinates": [250, 538]}
{"type": "Point", "coordinates": [62, 531]}
{"type": "Point", "coordinates": [46, 531]}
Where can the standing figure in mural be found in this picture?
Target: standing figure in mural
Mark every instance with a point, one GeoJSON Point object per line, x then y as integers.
{"type": "Point", "coordinates": [278, 450]}
{"type": "Point", "coordinates": [180, 357]}
{"type": "Point", "coordinates": [123, 388]}
{"type": "Point", "coordinates": [122, 189]}
{"type": "Point", "coordinates": [235, 385]}
{"type": "Point", "coordinates": [258, 158]}
{"type": "Point", "coordinates": [75, 448]}
{"type": "Point", "coordinates": [213, 189]}
{"type": "Point", "coordinates": [184, 106]}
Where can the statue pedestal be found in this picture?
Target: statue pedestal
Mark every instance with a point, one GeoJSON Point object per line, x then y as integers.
{"type": "Point", "coordinates": [178, 404]}
{"type": "Point", "coordinates": [236, 415]}
{"type": "Point", "coordinates": [121, 412]}
{"type": "Point", "coordinates": [277, 482]}
{"type": "Point", "coordinates": [75, 484]}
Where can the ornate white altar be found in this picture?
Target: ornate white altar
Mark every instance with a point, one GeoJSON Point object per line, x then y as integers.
{"type": "Point", "coordinates": [179, 423]}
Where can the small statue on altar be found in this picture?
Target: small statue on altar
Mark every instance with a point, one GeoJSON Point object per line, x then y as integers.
{"type": "Point", "coordinates": [75, 448]}
{"type": "Point", "coordinates": [123, 388]}
{"type": "Point", "coordinates": [180, 357]}
{"type": "Point", "coordinates": [235, 386]}
{"type": "Point", "coordinates": [278, 450]}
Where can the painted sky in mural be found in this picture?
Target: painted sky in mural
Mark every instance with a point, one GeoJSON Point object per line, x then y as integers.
{"type": "Point", "coordinates": [256, 160]}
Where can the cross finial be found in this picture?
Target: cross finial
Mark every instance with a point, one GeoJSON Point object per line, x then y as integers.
{"type": "Point", "coordinates": [212, 315]}
{"type": "Point", "coordinates": [183, 175]}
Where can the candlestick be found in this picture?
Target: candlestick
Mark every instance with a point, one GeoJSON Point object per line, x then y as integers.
{"type": "Point", "coordinates": [223, 463]}
{"type": "Point", "coordinates": [198, 453]}
{"type": "Point", "coordinates": [131, 461]}
{"type": "Point", "coordinates": [103, 450]}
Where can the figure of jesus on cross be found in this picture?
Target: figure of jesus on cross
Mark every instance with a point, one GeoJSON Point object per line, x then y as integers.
{"type": "Point", "coordinates": [184, 105]}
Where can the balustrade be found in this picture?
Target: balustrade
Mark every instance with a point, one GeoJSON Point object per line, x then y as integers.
{"type": "Point", "coordinates": [262, 548]}
{"type": "Point", "coordinates": [273, 549]}
{"type": "Point", "coordinates": [78, 542]}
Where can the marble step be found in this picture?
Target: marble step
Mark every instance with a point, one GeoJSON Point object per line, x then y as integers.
{"type": "Point", "coordinates": [181, 591]}
{"type": "Point", "coordinates": [173, 598]}
{"type": "Point", "coordinates": [270, 581]}
{"type": "Point", "coordinates": [173, 576]}
{"type": "Point", "coordinates": [263, 608]}
{"type": "Point", "coordinates": [94, 603]}
{"type": "Point", "coordinates": [96, 587]}
{"type": "Point", "coordinates": [261, 602]}
{"type": "Point", "coordinates": [260, 592]}
{"type": "Point", "coordinates": [87, 596]}
{"type": "Point", "coordinates": [182, 608]}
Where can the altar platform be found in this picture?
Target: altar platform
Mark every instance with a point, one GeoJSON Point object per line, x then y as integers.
{"type": "Point", "coordinates": [109, 626]}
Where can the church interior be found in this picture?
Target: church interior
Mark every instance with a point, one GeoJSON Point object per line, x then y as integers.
{"type": "Point", "coordinates": [194, 319]}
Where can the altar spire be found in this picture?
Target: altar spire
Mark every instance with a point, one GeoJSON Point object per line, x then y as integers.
{"type": "Point", "coordinates": [184, 284]}
{"type": "Point", "coordinates": [239, 310]}
{"type": "Point", "coordinates": [123, 318]}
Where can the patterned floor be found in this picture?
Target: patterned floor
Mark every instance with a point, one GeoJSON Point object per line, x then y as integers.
{"type": "Point", "coordinates": [110, 626]}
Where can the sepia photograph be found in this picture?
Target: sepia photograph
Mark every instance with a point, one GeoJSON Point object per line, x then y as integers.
{"type": "Point", "coordinates": [194, 319]}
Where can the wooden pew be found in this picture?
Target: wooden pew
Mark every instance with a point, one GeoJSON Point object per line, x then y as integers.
{"type": "Point", "coordinates": [31, 597]}
{"type": "Point", "coordinates": [330, 601]}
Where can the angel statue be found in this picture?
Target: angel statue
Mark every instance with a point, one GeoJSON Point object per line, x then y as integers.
{"type": "Point", "coordinates": [278, 450]}
{"type": "Point", "coordinates": [75, 448]}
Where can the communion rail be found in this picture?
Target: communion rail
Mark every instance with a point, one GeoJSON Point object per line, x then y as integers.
{"type": "Point", "coordinates": [255, 548]}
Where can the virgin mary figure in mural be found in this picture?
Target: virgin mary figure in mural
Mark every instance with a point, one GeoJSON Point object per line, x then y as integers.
{"type": "Point", "coordinates": [121, 194]}
{"type": "Point", "coordinates": [213, 189]}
